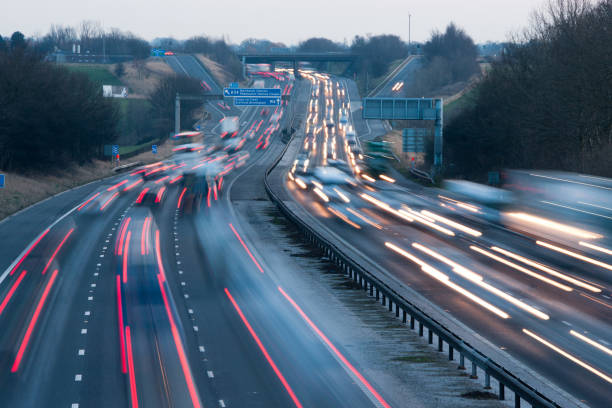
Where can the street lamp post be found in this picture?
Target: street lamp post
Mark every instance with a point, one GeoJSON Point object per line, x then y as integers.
{"type": "Point", "coordinates": [409, 16]}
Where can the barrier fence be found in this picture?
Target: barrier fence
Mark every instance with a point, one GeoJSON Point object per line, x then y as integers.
{"type": "Point", "coordinates": [411, 314]}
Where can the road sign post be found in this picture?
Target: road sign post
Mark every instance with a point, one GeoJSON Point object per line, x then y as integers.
{"type": "Point", "coordinates": [115, 152]}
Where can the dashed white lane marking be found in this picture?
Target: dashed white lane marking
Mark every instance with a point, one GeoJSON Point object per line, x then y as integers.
{"type": "Point", "coordinates": [210, 374]}
{"type": "Point", "coordinates": [566, 323]}
{"type": "Point", "coordinates": [178, 262]}
{"type": "Point", "coordinates": [221, 403]}
{"type": "Point", "coordinates": [89, 297]}
{"type": "Point", "coordinates": [183, 283]}
{"type": "Point", "coordinates": [186, 296]}
{"type": "Point", "coordinates": [104, 248]}
{"type": "Point", "coordinates": [83, 331]}
{"type": "Point", "coordinates": [190, 311]}
{"type": "Point", "coordinates": [96, 273]}
{"type": "Point", "coordinates": [81, 352]}
{"type": "Point", "coordinates": [93, 285]}
{"type": "Point", "coordinates": [99, 265]}
{"type": "Point", "coordinates": [180, 272]}
{"type": "Point", "coordinates": [87, 313]}
{"type": "Point", "coordinates": [195, 328]}
{"type": "Point", "coordinates": [202, 349]}
{"type": "Point", "coordinates": [78, 377]}
{"type": "Point", "coordinates": [74, 405]}
{"type": "Point", "coordinates": [101, 255]}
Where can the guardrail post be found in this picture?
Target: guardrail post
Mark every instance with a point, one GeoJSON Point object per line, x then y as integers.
{"type": "Point", "coordinates": [461, 362]}
{"type": "Point", "coordinates": [474, 373]}
{"type": "Point", "coordinates": [421, 329]}
{"type": "Point", "coordinates": [412, 322]}
{"type": "Point", "coordinates": [440, 344]}
{"type": "Point", "coordinates": [450, 353]}
{"type": "Point", "coordinates": [502, 391]}
{"type": "Point", "coordinates": [429, 336]}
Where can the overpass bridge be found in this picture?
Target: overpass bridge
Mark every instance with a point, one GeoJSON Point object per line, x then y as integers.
{"type": "Point", "coordinates": [295, 57]}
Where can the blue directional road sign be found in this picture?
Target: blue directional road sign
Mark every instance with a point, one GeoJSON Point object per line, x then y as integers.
{"type": "Point", "coordinates": [1, 180]}
{"type": "Point", "coordinates": [252, 92]}
{"type": "Point", "coordinates": [257, 101]}
{"type": "Point", "coordinates": [234, 85]}
{"type": "Point", "coordinates": [115, 150]}
{"type": "Point", "coordinates": [154, 149]}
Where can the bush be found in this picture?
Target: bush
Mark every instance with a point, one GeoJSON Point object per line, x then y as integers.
{"type": "Point", "coordinates": [49, 115]}
{"type": "Point", "coordinates": [546, 104]}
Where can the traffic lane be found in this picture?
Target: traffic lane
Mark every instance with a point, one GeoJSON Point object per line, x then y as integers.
{"type": "Point", "coordinates": [292, 346]}
{"type": "Point", "coordinates": [51, 362]}
{"type": "Point", "coordinates": [556, 298]}
{"type": "Point", "coordinates": [406, 74]}
{"type": "Point", "coordinates": [505, 332]}
{"type": "Point", "coordinates": [21, 229]}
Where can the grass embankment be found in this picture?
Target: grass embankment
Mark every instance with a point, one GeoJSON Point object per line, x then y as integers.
{"type": "Point", "coordinates": [98, 73]}
{"type": "Point", "coordinates": [22, 189]}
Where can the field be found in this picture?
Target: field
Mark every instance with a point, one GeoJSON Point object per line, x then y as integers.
{"type": "Point", "coordinates": [98, 73]}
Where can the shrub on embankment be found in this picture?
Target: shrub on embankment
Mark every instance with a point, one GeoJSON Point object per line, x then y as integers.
{"type": "Point", "coordinates": [547, 103]}
{"type": "Point", "coordinates": [49, 116]}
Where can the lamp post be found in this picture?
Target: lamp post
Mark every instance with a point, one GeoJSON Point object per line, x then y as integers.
{"type": "Point", "coordinates": [409, 16]}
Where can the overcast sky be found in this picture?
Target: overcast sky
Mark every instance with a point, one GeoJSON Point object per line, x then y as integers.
{"type": "Point", "coordinates": [287, 21]}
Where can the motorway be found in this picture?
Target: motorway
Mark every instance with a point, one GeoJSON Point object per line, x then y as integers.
{"type": "Point", "coordinates": [399, 84]}
{"type": "Point", "coordinates": [527, 286]}
{"type": "Point", "coordinates": [141, 290]}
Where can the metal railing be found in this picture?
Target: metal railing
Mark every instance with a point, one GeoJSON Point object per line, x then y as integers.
{"type": "Point", "coordinates": [411, 313]}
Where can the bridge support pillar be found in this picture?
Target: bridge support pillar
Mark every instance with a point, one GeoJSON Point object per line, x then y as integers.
{"type": "Point", "coordinates": [438, 133]}
{"type": "Point", "coordinates": [177, 114]}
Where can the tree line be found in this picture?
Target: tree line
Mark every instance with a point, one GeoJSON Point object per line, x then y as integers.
{"type": "Point", "coordinates": [49, 116]}
{"type": "Point", "coordinates": [92, 38]}
{"type": "Point", "coordinates": [448, 58]}
{"type": "Point", "coordinates": [547, 103]}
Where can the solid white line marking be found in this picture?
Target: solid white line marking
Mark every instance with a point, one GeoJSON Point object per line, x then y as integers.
{"type": "Point", "coordinates": [81, 352]}
{"type": "Point", "coordinates": [210, 374]}
{"type": "Point", "coordinates": [78, 377]}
